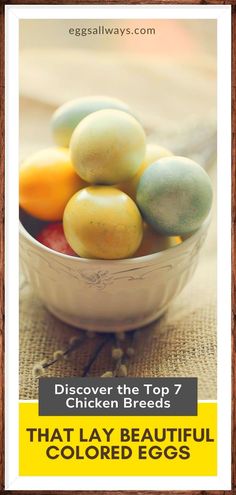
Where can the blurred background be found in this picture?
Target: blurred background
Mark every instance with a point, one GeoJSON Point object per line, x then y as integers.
{"type": "Point", "coordinates": [168, 75]}
{"type": "Point", "coordinates": [168, 78]}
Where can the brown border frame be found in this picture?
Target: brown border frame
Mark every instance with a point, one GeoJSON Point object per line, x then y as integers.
{"type": "Point", "coordinates": [2, 266]}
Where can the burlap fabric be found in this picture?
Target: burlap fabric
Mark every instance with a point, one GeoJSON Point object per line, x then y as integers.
{"type": "Point", "coordinates": [183, 341]}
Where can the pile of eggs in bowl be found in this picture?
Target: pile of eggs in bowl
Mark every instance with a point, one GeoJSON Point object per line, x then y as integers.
{"type": "Point", "coordinates": [101, 192]}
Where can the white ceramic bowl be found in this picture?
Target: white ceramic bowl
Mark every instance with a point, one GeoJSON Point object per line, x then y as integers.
{"type": "Point", "coordinates": [105, 295]}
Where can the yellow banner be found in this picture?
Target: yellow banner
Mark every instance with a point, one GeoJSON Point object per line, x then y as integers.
{"type": "Point", "coordinates": [118, 446]}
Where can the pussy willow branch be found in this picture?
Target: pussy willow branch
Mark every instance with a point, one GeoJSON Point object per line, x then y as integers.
{"type": "Point", "coordinates": [69, 349]}
{"type": "Point", "coordinates": [123, 360]}
{"type": "Point", "coordinates": [94, 356]}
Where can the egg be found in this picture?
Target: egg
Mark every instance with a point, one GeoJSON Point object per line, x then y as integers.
{"type": "Point", "coordinates": [47, 182]}
{"type": "Point", "coordinates": [102, 222]}
{"type": "Point", "coordinates": [68, 116]}
{"type": "Point", "coordinates": [53, 237]}
{"type": "Point", "coordinates": [107, 147]}
{"type": "Point", "coordinates": [155, 243]}
{"type": "Point", "coordinates": [153, 152]}
{"type": "Point", "coordinates": [174, 195]}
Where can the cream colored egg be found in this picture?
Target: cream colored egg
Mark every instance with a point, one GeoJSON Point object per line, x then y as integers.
{"type": "Point", "coordinates": [107, 147]}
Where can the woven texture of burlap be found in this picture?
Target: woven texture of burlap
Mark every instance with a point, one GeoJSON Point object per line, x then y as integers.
{"type": "Point", "coordinates": [183, 341]}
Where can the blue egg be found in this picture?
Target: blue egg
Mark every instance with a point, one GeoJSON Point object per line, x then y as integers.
{"type": "Point", "coordinates": [174, 195]}
{"type": "Point", "coordinates": [68, 116]}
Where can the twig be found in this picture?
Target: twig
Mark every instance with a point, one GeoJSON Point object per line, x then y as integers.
{"type": "Point", "coordinates": [95, 355]}
{"type": "Point", "coordinates": [69, 349]}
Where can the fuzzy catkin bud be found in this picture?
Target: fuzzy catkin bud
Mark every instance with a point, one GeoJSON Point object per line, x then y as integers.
{"type": "Point", "coordinates": [117, 353]}
{"type": "Point", "coordinates": [38, 370]}
{"type": "Point", "coordinates": [58, 355]}
{"type": "Point", "coordinates": [75, 340]}
{"type": "Point", "coordinates": [107, 374]}
{"type": "Point", "coordinates": [122, 370]}
{"type": "Point", "coordinates": [130, 351]}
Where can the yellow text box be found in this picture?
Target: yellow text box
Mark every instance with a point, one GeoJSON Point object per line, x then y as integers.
{"type": "Point", "coordinates": [82, 446]}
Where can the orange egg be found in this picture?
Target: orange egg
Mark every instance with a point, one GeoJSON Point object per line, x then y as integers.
{"type": "Point", "coordinates": [47, 182]}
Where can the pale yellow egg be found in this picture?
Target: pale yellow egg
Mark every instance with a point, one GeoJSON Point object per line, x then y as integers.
{"type": "Point", "coordinates": [103, 222]}
{"type": "Point", "coordinates": [107, 147]}
{"type": "Point", "coordinates": [154, 243]}
{"type": "Point", "coordinates": [153, 153]}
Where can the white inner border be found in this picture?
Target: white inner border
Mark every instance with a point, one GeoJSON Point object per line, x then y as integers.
{"type": "Point", "coordinates": [222, 14]}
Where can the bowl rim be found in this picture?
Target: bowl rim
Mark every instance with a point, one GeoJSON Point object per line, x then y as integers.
{"type": "Point", "coordinates": [124, 261]}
